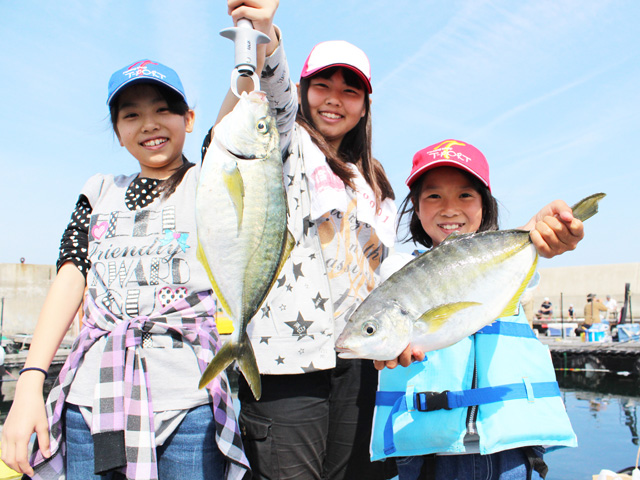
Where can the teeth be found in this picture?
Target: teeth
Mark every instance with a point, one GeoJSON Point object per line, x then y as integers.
{"type": "Point", "coordinates": [330, 115]}
{"type": "Point", "coordinates": [450, 227]}
{"type": "Point", "coordinates": [154, 143]}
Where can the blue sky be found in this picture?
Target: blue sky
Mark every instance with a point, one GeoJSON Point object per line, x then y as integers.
{"type": "Point", "coordinates": [549, 90]}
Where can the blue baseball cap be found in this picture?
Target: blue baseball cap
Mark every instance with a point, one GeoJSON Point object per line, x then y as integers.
{"type": "Point", "coordinates": [144, 71]}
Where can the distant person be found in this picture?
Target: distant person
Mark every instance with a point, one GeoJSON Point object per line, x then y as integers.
{"type": "Point", "coordinates": [612, 307]}
{"type": "Point", "coordinates": [546, 309]}
{"type": "Point", "coordinates": [591, 313]}
{"type": "Point", "coordinates": [572, 313]}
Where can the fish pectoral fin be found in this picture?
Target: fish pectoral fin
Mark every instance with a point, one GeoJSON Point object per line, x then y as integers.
{"type": "Point", "coordinates": [235, 187]}
{"type": "Point", "coordinates": [436, 317]}
{"type": "Point", "coordinates": [249, 367]}
{"type": "Point", "coordinates": [227, 354]}
{"type": "Point", "coordinates": [200, 255]}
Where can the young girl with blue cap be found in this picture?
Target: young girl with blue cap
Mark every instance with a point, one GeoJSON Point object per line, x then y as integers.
{"type": "Point", "coordinates": [126, 402]}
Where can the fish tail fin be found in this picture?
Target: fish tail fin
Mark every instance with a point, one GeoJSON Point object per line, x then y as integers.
{"type": "Point", "coordinates": [249, 367]}
{"type": "Point", "coordinates": [224, 357]}
{"type": "Point", "coordinates": [587, 207]}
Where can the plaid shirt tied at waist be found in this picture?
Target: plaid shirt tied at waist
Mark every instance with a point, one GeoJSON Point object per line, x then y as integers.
{"type": "Point", "coordinates": [122, 425]}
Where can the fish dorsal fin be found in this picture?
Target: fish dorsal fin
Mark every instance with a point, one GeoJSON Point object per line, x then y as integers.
{"type": "Point", "coordinates": [235, 187]}
{"type": "Point", "coordinates": [200, 255]}
{"type": "Point", "coordinates": [512, 307]}
{"type": "Point", "coordinates": [436, 317]}
{"type": "Point", "coordinates": [454, 236]}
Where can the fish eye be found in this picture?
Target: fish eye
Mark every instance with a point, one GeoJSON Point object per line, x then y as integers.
{"type": "Point", "coordinates": [369, 328]}
{"type": "Point", "coordinates": [262, 126]}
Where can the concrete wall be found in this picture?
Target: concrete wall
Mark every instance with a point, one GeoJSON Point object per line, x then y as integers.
{"type": "Point", "coordinates": [574, 283]}
{"type": "Point", "coordinates": [23, 288]}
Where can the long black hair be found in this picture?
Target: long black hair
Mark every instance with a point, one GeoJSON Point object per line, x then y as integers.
{"type": "Point", "coordinates": [355, 147]}
{"type": "Point", "coordinates": [176, 105]}
{"type": "Point", "coordinates": [409, 205]}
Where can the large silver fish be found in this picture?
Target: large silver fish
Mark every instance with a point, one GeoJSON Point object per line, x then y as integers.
{"type": "Point", "coordinates": [447, 293]}
{"type": "Point", "coordinates": [241, 215]}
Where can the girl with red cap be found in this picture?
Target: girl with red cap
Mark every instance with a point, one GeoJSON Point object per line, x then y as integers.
{"type": "Point", "coordinates": [481, 436]}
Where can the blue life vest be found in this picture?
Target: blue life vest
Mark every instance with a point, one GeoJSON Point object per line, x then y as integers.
{"type": "Point", "coordinates": [516, 400]}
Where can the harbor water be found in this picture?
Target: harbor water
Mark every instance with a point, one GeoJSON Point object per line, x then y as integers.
{"type": "Point", "coordinates": [603, 408]}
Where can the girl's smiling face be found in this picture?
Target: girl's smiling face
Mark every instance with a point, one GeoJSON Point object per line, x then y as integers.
{"type": "Point", "coordinates": [150, 132]}
{"type": "Point", "coordinates": [335, 107]}
{"type": "Point", "coordinates": [448, 203]}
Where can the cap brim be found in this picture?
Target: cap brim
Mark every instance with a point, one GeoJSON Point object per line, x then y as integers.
{"type": "Point", "coordinates": [442, 163]}
{"type": "Point", "coordinates": [357, 71]}
{"type": "Point", "coordinates": [143, 79]}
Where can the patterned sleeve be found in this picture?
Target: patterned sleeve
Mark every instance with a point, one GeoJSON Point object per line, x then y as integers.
{"type": "Point", "coordinates": [75, 240]}
{"type": "Point", "coordinates": [281, 92]}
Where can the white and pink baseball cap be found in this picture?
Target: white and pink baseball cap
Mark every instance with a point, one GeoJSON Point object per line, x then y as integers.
{"type": "Point", "coordinates": [450, 153]}
{"type": "Point", "coordinates": [338, 53]}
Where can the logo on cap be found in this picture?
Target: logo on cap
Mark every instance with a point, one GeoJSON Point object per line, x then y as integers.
{"type": "Point", "coordinates": [142, 70]}
{"type": "Point", "coordinates": [445, 150]}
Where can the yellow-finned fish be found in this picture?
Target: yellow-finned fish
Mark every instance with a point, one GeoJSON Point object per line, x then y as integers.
{"type": "Point", "coordinates": [241, 215]}
{"type": "Point", "coordinates": [447, 293]}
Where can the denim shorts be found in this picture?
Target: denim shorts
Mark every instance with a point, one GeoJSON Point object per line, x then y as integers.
{"type": "Point", "coordinates": [190, 452]}
{"type": "Point", "coordinates": [506, 465]}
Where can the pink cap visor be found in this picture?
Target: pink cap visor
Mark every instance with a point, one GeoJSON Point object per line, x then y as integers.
{"type": "Point", "coordinates": [450, 153]}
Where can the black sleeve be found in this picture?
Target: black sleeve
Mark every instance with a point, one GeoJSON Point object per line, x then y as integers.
{"type": "Point", "coordinates": [205, 144]}
{"type": "Point", "coordinates": [75, 240]}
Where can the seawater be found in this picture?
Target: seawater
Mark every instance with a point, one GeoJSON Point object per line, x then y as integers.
{"type": "Point", "coordinates": [603, 409]}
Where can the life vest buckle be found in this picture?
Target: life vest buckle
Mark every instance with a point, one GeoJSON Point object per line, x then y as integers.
{"type": "Point", "coordinates": [430, 401]}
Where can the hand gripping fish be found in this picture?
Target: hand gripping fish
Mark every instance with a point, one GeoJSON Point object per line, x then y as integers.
{"type": "Point", "coordinates": [447, 293]}
{"type": "Point", "coordinates": [241, 216]}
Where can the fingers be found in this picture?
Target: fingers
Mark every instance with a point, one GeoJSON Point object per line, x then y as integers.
{"type": "Point", "coordinates": [260, 12]}
{"type": "Point", "coordinates": [22, 458]}
{"type": "Point", "coordinates": [406, 358]}
{"type": "Point", "coordinates": [16, 456]}
{"type": "Point", "coordinates": [554, 235]}
{"type": "Point", "coordinates": [42, 431]}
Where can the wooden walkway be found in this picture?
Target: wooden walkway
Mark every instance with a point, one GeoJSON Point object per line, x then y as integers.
{"type": "Point", "coordinates": [573, 354]}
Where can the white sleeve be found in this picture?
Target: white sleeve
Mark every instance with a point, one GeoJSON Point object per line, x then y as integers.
{"type": "Point", "coordinates": [281, 92]}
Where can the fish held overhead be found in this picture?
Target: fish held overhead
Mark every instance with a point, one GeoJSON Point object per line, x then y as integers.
{"type": "Point", "coordinates": [241, 216]}
{"type": "Point", "coordinates": [447, 293]}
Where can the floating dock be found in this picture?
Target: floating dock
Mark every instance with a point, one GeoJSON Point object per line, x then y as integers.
{"type": "Point", "coordinates": [573, 354]}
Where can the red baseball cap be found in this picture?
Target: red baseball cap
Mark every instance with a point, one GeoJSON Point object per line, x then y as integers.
{"type": "Point", "coordinates": [450, 153]}
{"type": "Point", "coordinates": [338, 53]}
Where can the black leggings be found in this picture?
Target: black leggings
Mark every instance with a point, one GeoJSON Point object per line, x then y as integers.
{"type": "Point", "coordinates": [314, 425]}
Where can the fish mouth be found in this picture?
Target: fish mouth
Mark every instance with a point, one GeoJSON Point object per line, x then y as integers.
{"type": "Point", "coordinates": [345, 352]}
{"type": "Point", "coordinates": [236, 155]}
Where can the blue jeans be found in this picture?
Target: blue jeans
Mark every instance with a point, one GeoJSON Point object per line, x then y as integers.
{"type": "Point", "coordinates": [506, 465]}
{"type": "Point", "coordinates": [190, 452]}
